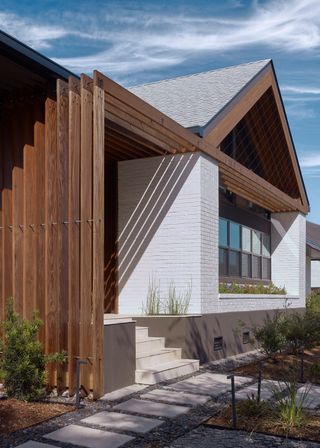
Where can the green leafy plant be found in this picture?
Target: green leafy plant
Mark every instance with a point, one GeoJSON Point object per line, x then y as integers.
{"type": "Point", "coordinates": [290, 408]}
{"type": "Point", "coordinates": [22, 363]}
{"type": "Point", "coordinates": [301, 331]}
{"type": "Point", "coordinates": [313, 302]}
{"type": "Point", "coordinates": [177, 303]}
{"type": "Point", "coordinates": [269, 336]}
{"type": "Point", "coordinates": [153, 303]}
{"type": "Point", "coordinates": [235, 288]}
{"type": "Point", "coordinates": [251, 408]}
{"type": "Point", "coordinates": [315, 370]}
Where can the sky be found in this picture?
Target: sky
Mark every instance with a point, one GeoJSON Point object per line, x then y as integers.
{"type": "Point", "coordinates": [135, 42]}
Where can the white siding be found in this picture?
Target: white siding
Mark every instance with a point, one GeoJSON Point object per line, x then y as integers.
{"type": "Point", "coordinates": [315, 274]}
{"type": "Point", "coordinates": [167, 222]}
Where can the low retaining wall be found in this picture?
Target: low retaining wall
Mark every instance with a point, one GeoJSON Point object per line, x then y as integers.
{"type": "Point", "coordinates": [119, 355]}
{"type": "Point", "coordinates": [198, 335]}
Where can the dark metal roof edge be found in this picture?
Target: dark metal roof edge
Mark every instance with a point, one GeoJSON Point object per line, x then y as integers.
{"type": "Point", "coordinates": [29, 53]}
{"type": "Point", "coordinates": [290, 134]}
{"type": "Point", "coordinates": [207, 128]}
{"type": "Point", "coordinates": [313, 244]}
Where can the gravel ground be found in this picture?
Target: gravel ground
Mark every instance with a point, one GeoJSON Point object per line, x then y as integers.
{"type": "Point", "coordinates": [173, 432]}
{"type": "Point", "coordinates": [204, 437]}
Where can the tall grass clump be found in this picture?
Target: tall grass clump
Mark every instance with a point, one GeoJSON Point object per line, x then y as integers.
{"type": "Point", "coordinates": [177, 303]}
{"type": "Point", "coordinates": [153, 303]}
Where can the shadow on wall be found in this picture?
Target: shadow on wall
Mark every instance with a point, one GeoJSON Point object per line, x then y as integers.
{"type": "Point", "coordinates": [169, 177]}
{"type": "Point", "coordinates": [281, 228]}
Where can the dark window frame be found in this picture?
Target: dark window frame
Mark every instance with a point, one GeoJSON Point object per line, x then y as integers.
{"type": "Point", "coordinates": [227, 249]}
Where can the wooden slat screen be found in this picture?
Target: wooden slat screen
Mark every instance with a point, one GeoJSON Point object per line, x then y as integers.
{"type": "Point", "coordinates": [52, 223]}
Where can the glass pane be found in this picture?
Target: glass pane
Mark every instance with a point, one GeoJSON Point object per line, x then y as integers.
{"type": "Point", "coordinates": [256, 266]}
{"type": "Point", "coordinates": [266, 243]}
{"type": "Point", "coordinates": [245, 265]}
{"type": "Point", "coordinates": [234, 235]}
{"type": "Point", "coordinates": [234, 263]}
{"type": "Point", "coordinates": [266, 268]}
{"type": "Point", "coordinates": [256, 242]}
{"type": "Point", "coordinates": [223, 232]}
{"type": "Point", "coordinates": [223, 262]}
{"type": "Point", "coordinates": [246, 239]}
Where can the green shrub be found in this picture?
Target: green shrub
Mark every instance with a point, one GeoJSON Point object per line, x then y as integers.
{"type": "Point", "coordinates": [315, 370]}
{"type": "Point", "coordinates": [313, 302]}
{"type": "Point", "coordinates": [177, 303]}
{"type": "Point", "coordinates": [269, 336]}
{"type": "Point", "coordinates": [235, 288]}
{"type": "Point", "coordinates": [22, 363]}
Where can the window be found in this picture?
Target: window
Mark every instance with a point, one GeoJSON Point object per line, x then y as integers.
{"type": "Point", "coordinates": [218, 343]}
{"type": "Point", "coordinates": [243, 252]}
{"type": "Point", "coordinates": [246, 337]}
{"type": "Point", "coordinates": [223, 232]}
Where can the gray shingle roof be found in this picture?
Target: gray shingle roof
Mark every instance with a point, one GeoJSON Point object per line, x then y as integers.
{"type": "Point", "coordinates": [193, 101]}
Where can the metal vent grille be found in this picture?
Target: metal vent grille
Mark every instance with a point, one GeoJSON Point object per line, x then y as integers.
{"type": "Point", "coordinates": [246, 337]}
{"type": "Point", "coordinates": [218, 343]}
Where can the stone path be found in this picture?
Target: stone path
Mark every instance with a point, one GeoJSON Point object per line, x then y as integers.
{"type": "Point", "coordinates": [158, 416]}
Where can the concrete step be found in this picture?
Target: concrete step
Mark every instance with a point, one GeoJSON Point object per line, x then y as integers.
{"type": "Point", "coordinates": [142, 333]}
{"type": "Point", "coordinates": [154, 359]}
{"type": "Point", "coordinates": [167, 371]}
{"type": "Point", "coordinates": [149, 345]}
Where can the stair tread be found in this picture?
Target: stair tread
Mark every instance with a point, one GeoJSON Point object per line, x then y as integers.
{"type": "Point", "coordinates": [161, 351]}
{"type": "Point", "coordinates": [169, 365]}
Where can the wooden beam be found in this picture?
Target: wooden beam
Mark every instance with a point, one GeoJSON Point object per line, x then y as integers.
{"type": "Point", "coordinates": [74, 229]}
{"type": "Point", "coordinates": [86, 335]}
{"type": "Point", "coordinates": [98, 234]}
{"type": "Point", "coordinates": [51, 236]}
{"type": "Point", "coordinates": [63, 216]}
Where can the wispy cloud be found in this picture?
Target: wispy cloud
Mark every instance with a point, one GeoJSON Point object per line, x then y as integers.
{"type": "Point", "coordinates": [301, 90]}
{"type": "Point", "coordinates": [137, 39]}
{"type": "Point", "coordinates": [310, 165]}
{"type": "Point", "coordinates": [37, 35]}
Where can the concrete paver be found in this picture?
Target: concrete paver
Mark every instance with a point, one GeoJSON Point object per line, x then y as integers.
{"type": "Point", "coordinates": [151, 408]}
{"type": "Point", "coordinates": [170, 396]}
{"type": "Point", "coordinates": [123, 422]}
{"type": "Point", "coordinates": [212, 384]}
{"type": "Point", "coordinates": [88, 437]}
{"type": "Point", "coordinates": [268, 388]}
{"type": "Point", "coordinates": [34, 444]}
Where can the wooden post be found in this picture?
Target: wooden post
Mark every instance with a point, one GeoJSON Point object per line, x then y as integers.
{"type": "Point", "coordinates": [74, 229]}
{"type": "Point", "coordinates": [98, 234]}
{"type": "Point", "coordinates": [86, 344]}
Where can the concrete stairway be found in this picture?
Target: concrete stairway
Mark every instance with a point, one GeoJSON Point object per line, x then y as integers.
{"type": "Point", "coordinates": [156, 363]}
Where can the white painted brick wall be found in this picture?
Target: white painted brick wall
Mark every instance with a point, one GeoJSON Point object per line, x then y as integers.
{"type": "Point", "coordinates": [168, 218]}
{"type": "Point", "coordinates": [288, 263]}
{"type": "Point", "coordinates": [315, 274]}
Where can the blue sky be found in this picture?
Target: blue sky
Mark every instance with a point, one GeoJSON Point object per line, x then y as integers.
{"type": "Point", "coordinates": [140, 41]}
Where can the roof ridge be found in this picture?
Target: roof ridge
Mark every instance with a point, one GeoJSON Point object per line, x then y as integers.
{"type": "Point", "coordinates": [199, 73]}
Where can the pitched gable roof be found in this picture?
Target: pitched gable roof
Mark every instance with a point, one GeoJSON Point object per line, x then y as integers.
{"type": "Point", "coordinates": [194, 101]}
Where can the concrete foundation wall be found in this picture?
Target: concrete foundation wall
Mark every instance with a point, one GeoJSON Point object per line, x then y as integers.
{"type": "Point", "coordinates": [168, 230]}
{"type": "Point", "coordinates": [119, 355]}
{"type": "Point", "coordinates": [196, 334]}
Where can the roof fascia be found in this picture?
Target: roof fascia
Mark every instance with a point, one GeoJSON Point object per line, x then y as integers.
{"type": "Point", "coordinates": [31, 57]}
{"type": "Point", "coordinates": [206, 129]}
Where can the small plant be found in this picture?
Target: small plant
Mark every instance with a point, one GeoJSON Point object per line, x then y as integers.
{"type": "Point", "coordinates": [22, 364]}
{"type": "Point", "coordinates": [313, 302]}
{"type": "Point", "coordinates": [235, 288]}
{"type": "Point", "coordinates": [302, 331]}
{"type": "Point", "coordinates": [177, 303]}
{"type": "Point", "coordinates": [251, 408]}
{"type": "Point", "coordinates": [290, 408]}
{"type": "Point", "coordinates": [315, 371]}
{"type": "Point", "coordinates": [269, 336]}
{"type": "Point", "coordinates": [153, 303]}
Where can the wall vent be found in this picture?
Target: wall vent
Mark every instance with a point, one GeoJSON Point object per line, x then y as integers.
{"type": "Point", "coordinates": [218, 343]}
{"type": "Point", "coordinates": [246, 337]}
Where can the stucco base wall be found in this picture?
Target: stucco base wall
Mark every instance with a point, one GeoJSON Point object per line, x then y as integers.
{"type": "Point", "coordinates": [195, 334]}
{"type": "Point", "coordinates": [119, 355]}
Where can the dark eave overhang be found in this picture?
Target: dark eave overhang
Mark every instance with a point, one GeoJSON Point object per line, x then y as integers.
{"type": "Point", "coordinates": [26, 56]}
